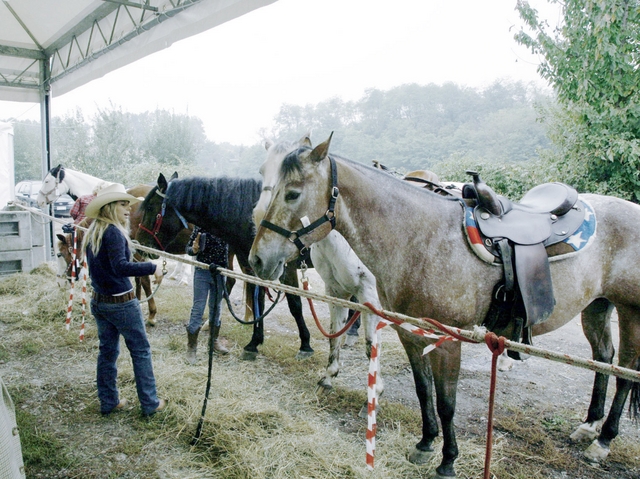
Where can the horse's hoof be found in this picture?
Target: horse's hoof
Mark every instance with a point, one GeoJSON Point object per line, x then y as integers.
{"type": "Point", "coordinates": [304, 354]}
{"type": "Point", "coordinates": [249, 355]}
{"type": "Point", "coordinates": [437, 475]}
{"type": "Point", "coordinates": [596, 452]}
{"type": "Point", "coordinates": [350, 340]}
{"type": "Point", "coordinates": [416, 456]}
{"type": "Point", "coordinates": [587, 431]}
{"type": "Point", "coordinates": [151, 322]}
{"type": "Point", "coordinates": [323, 388]}
{"type": "Point", "coordinates": [505, 363]}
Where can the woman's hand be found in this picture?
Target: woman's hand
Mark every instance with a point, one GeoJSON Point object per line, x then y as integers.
{"type": "Point", "coordinates": [196, 244]}
{"type": "Point", "coordinates": [158, 275]}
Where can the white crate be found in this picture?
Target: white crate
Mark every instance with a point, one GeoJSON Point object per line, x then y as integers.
{"type": "Point", "coordinates": [22, 239]}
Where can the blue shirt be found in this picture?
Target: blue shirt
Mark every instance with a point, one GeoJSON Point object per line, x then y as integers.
{"type": "Point", "coordinates": [110, 269]}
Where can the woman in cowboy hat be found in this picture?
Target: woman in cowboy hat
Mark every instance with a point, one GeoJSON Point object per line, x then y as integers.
{"type": "Point", "coordinates": [114, 305]}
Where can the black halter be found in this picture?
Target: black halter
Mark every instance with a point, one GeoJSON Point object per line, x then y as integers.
{"type": "Point", "coordinates": [294, 236]}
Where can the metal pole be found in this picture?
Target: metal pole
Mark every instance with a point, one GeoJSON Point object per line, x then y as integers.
{"type": "Point", "coordinates": [45, 126]}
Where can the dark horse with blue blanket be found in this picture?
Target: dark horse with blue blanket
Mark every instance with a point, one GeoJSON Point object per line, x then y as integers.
{"type": "Point", "coordinates": [223, 206]}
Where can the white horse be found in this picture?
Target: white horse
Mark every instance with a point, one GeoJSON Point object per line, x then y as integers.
{"type": "Point", "coordinates": [343, 273]}
{"type": "Point", "coordinates": [61, 180]}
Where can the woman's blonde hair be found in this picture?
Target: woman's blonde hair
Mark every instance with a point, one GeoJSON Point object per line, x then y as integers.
{"type": "Point", "coordinates": [96, 230]}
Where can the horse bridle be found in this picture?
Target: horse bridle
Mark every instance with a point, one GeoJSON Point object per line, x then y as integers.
{"type": "Point", "coordinates": [294, 236]}
{"type": "Point", "coordinates": [160, 217]}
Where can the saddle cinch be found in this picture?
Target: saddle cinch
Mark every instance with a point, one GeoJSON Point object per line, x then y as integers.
{"type": "Point", "coordinates": [519, 234]}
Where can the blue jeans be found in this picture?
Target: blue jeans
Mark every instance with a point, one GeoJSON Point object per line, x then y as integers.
{"type": "Point", "coordinates": [205, 286]}
{"type": "Point", "coordinates": [123, 319]}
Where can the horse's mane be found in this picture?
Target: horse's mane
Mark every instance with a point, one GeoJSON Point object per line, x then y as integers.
{"type": "Point", "coordinates": [219, 198]}
{"type": "Point", "coordinates": [291, 165]}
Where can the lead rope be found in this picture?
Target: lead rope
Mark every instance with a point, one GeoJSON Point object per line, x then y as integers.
{"type": "Point", "coordinates": [496, 346]}
{"type": "Point", "coordinates": [74, 275]}
{"type": "Point", "coordinates": [73, 280]}
{"type": "Point", "coordinates": [307, 287]}
{"type": "Point", "coordinates": [84, 297]}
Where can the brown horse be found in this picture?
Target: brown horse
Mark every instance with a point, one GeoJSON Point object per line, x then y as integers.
{"type": "Point", "coordinates": [377, 214]}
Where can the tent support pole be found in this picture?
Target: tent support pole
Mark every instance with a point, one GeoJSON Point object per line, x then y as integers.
{"type": "Point", "coordinates": [45, 125]}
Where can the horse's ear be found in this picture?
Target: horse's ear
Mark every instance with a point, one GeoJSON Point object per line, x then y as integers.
{"type": "Point", "coordinates": [267, 144]}
{"type": "Point", "coordinates": [174, 176]}
{"type": "Point", "coordinates": [321, 151]}
{"type": "Point", "coordinates": [62, 238]}
{"type": "Point", "coordinates": [162, 183]}
{"type": "Point", "coordinates": [305, 140]}
{"type": "Point", "coordinates": [55, 169]}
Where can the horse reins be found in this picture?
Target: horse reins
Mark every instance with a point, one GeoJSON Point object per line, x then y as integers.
{"type": "Point", "coordinates": [160, 217]}
{"type": "Point", "coordinates": [294, 236]}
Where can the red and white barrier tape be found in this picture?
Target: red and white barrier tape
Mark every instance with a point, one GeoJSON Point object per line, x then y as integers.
{"type": "Point", "coordinates": [372, 381]}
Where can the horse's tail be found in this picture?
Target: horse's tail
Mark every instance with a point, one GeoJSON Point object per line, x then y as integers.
{"type": "Point", "coordinates": [634, 403]}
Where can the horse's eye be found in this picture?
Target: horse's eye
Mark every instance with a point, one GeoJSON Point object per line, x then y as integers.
{"type": "Point", "coordinates": [292, 195]}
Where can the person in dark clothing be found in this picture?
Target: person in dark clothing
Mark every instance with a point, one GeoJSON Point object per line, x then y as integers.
{"type": "Point", "coordinates": [207, 249]}
{"type": "Point", "coordinates": [114, 305]}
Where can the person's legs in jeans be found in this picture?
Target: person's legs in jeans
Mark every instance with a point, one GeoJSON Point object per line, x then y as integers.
{"type": "Point", "coordinates": [106, 371]}
{"type": "Point", "coordinates": [201, 283]}
{"type": "Point", "coordinates": [130, 323]}
{"type": "Point", "coordinates": [216, 293]}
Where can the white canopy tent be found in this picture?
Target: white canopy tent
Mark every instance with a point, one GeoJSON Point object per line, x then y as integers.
{"type": "Point", "coordinates": [49, 48]}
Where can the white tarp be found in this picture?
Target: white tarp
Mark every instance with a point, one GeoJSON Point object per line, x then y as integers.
{"type": "Point", "coordinates": [7, 177]}
{"type": "Point", "coordinates": [87, 54]}
{"type": "Point", "coordinates": [11, 463]}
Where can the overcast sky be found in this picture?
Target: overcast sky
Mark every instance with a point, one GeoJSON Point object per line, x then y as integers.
{"type": "Point", "coordinates": [235, 77]}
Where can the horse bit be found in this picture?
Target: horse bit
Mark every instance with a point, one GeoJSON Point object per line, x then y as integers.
{"type": "Point", "coordinates": [160, 217]}
{"type": "Point", "coordinates": [294, 236]}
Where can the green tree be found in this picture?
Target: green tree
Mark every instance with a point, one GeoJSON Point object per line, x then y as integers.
{"type": "Point", "coordinates": [27, 150]}
{"type": "Point", "coordinates": [173, 139]}
{"type": "Point", "coordinates": [70, 141]}
{"type": "Point", "coordinates": [593, 62]}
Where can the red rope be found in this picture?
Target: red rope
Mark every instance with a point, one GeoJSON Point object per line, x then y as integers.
{"type": "Point", "coordinates": [496, 346]}
{"type": "Point", "coordinates": [353, 319]}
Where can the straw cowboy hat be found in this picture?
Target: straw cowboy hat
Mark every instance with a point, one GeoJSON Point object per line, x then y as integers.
{"type": "Point", "coordinates": [422, 176]}
{"type": "Point", "coordinates": [109, 194]}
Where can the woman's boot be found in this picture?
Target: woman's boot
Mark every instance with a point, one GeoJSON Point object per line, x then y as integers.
{"type": "Point", "coordinates": [218, 347]}
{"type": "Point", "coordinates": [192, 346]}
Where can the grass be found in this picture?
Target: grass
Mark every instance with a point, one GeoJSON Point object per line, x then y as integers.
{"type": "Point", "coordinates": [264, 419]}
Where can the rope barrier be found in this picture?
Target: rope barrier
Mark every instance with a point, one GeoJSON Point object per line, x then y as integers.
{"type": "Point", "coordinates": [421, 326]}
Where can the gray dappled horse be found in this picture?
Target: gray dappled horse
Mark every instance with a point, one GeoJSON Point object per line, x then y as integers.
{"type": "Point", "coordinates": [387, 221]}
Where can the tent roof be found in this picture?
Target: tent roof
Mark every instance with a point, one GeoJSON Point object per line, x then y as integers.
{"type": "Point", "coordinates": [67, 43]}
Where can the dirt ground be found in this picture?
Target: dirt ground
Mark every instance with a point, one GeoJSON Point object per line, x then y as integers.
{"type": "Point", "coordinates": [555, 393]}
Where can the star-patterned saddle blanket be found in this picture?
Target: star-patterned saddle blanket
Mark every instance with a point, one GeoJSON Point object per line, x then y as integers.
{"type": "Point", "coordinates": [524, 237]}
{"type": "Point", "coordinates": [573, 241]}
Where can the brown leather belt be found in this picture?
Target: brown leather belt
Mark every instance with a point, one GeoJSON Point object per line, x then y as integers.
{"type": "Point", "coordinates": [107, 298]}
